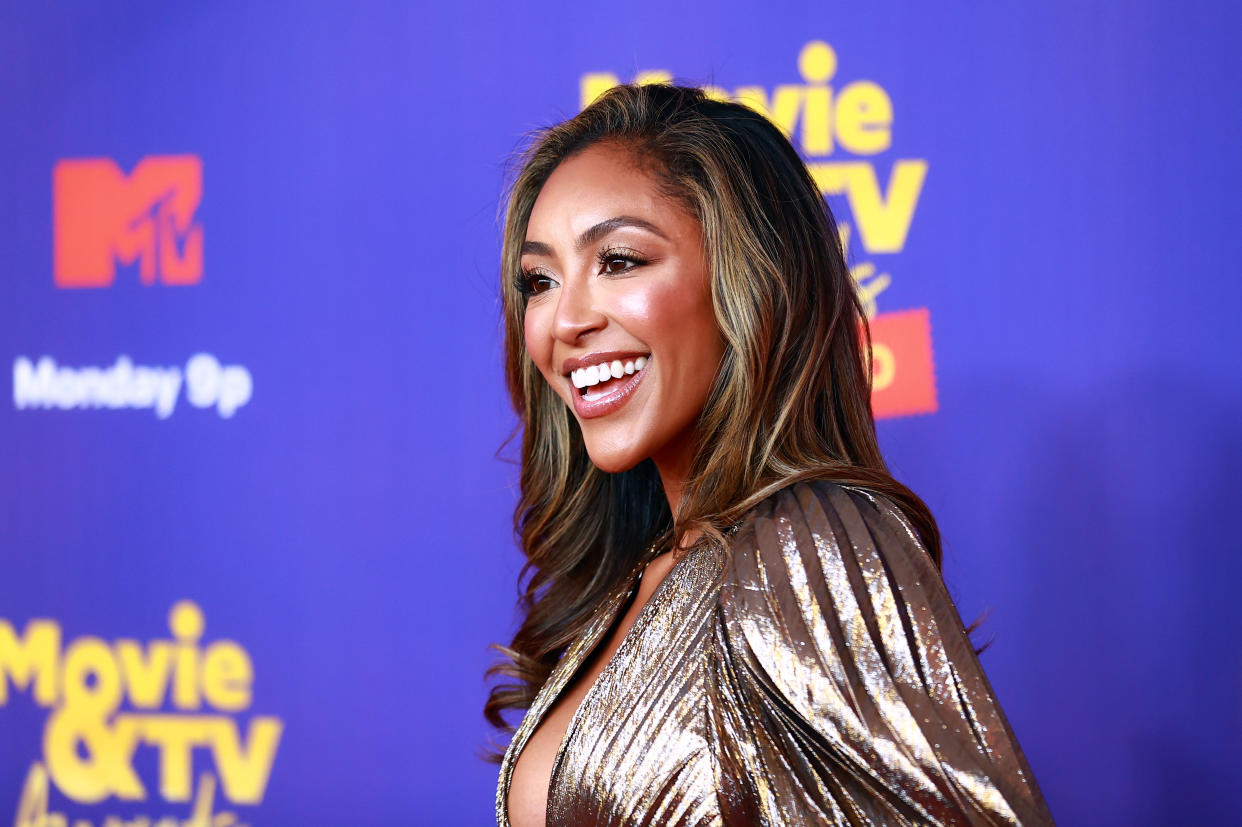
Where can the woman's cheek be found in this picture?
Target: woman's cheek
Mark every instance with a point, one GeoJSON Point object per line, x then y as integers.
{"type": "Point", "coordinates": [645, 306]}
{"type": "Point", "coordinates": [538, 341]}
{"type": "Point", "coordinates": [535, 337]}
{"type": "Point", "coordinates": [666, 309]}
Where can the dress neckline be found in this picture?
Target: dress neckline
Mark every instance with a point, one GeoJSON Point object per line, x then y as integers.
{"type": "Point", "coordinates": [568, 667]}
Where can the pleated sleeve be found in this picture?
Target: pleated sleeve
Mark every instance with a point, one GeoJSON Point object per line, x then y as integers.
{"type": "Point", "coordinates": [850, 692]}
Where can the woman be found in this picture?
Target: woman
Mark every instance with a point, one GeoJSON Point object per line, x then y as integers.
{"type": "Point", "coordinates": [734, 613]}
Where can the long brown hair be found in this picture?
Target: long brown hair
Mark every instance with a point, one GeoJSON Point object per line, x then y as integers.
{"type": "Point", "coordinates": [792, 399]}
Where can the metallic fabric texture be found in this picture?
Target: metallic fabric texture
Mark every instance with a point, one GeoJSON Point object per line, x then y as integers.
{"type": "Point", "coordinates": [815, 672]}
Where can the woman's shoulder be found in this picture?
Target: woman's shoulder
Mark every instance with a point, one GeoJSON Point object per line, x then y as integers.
{"type": "Point", "coordinates": [838, 617]}
{"type": "Point", "coordinates": [820, 550]}
{"type": "Point", "coordinates": [819, 511]}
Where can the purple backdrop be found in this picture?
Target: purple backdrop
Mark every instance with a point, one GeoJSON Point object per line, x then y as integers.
{"type": "Point", "coordinates": [254, 530]}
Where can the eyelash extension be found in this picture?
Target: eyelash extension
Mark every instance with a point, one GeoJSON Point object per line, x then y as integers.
{"type": "Point", "coordinates": [522, 282]}
{"type": "Point", "coordinates": [633, 257]}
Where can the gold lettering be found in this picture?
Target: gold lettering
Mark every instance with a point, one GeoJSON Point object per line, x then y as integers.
{"type": "Point", "coordinates": [32, 808]}
{"type": "Point", "coordinates": [817, 63]}
{"type": "Point", "coordinates": [32, 805]}
{"type": "Point", "coordinates": [108, 767]}
{"type": "Point", "coordinates": [204, 803]}
{"type": "Point", "coordinates": [92, 677]}
{"type": "Point", "coordinates": [859, 117]}
{"type": "Point", "coordinates": [88, 749]}
{"type": "Point", "coordinates": [650, 76]}
{"type": "Point", "coordinates": [32, 659]}
{"type": "Point", "coordinates": [175, 736]}
{"type": "Point", "coordinates": [227, 676]}
{"type": "Point", "coordinates": [186, 623]}
{"type": "Point", "coordinates": [244, 772]}
{"type": "Point", "coordinates": [864, 118]}
{"type": "Point", "coordinates": [883, 220]}
{"type": "Point", "coordinates": [594, 84]}
{"type": "Point", "coordinates": [146, 678]}
{"type": "Point", "coordinates": [817, 121]}
{"type": "Point", "coordinates": [867, 291]}
{"type": "Point", "coordinates": [781, 110]}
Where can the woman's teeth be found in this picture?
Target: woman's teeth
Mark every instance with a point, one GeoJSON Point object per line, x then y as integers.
{"type": "Point", "coordinates": [593, 375]}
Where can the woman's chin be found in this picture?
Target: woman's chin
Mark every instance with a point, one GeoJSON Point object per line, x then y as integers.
{"type": "Point", "coordinates": [612, 461]}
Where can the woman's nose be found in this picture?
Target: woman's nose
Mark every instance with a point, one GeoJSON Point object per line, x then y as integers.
{"type": "Point", "coordinates": [576, 314]}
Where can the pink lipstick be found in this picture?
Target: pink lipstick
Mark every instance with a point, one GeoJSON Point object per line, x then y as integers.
{"type": "Point", "coordinates": [603, 383]}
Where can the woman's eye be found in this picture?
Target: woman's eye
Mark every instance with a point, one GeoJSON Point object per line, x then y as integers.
{"type": "Point", "coordinates": [616, 264]}
{"type": "Point", "coordinates": [530, 283]}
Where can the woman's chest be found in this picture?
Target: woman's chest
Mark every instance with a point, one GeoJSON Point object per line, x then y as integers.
{"type": "Point", "coordinates": [631, 731]}
{"type": "Point", "coordinates": [641, 742]}
{"type": "Point", "coordinates": [532, 772]}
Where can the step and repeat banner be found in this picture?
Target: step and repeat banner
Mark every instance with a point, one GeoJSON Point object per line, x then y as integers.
{"type": "Point", "coordinates": [255, 491]}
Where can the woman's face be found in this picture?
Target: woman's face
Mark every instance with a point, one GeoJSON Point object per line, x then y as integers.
{"type": "Point", "coordinates": [620, 320]}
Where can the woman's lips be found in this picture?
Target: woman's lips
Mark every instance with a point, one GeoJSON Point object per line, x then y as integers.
{"type": "Point", "coordinates": [614, 396]}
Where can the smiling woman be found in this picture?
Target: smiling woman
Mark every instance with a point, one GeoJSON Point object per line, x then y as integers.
{"type": "Point", "coordinates": [733, 614]}
{"type": "Point", "coordinates": [614, 273]}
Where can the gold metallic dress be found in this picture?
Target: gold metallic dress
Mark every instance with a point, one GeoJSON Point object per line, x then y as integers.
{"type": "Point", "coordinates": [816, 673]}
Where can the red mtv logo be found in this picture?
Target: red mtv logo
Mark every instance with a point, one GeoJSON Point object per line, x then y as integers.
{"type": "Point", "coordinates": [102, 217]}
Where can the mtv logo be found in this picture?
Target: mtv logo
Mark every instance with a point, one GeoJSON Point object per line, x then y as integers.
{"type": "Point", "coordinates": [102, 217]}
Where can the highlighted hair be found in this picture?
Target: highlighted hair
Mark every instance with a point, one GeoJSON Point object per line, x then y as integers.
{"type": "Point", "coordinates": [792, 399]}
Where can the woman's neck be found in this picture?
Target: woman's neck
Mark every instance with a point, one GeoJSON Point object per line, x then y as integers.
{"type": "Point", "coordinates": [673, 465]}
{"type": "Point", "coordinates": [673, 477]}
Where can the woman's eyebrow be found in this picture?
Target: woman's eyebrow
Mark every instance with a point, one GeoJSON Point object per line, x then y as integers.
{"type": "Point", "coordinates": [595, 233]}
{"type": "Point", "coordinates": [603, 228]}
{"type": "Point", "coordinates": [536, 248]}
